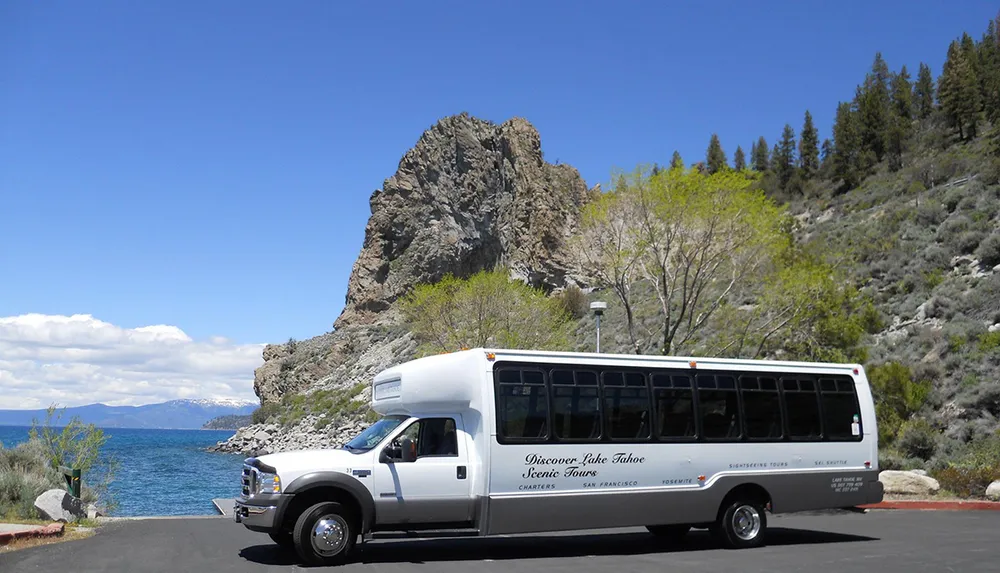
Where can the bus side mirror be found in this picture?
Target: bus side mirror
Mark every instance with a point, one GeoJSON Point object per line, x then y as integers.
{"type": "Point", "coordinates": [403, 450]}
{"type": "Point", "coordinates": [409, 453]}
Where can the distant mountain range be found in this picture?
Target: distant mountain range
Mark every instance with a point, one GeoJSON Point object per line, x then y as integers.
{"type": "Point", "coordinates": [174, 414]}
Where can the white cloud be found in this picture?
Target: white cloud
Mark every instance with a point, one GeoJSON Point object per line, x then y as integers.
{"type": "Point", "coordinates": [76, 360]}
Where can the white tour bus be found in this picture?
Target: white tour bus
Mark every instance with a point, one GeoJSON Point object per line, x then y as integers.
{"type": "Point", "coordinates": [491, 442]}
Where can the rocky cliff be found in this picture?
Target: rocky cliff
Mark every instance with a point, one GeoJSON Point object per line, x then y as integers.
{"type": "Point", "coordinates": [470, 195]}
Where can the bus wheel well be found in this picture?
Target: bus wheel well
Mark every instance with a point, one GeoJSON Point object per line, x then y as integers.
{"type": "Point", "coordinates": [303, 501]}
{"type": "Point", "coordinates": [747, 492]}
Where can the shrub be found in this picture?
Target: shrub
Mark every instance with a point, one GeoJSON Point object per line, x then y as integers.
{"type": "Point", "coordinates": [917, 439]}
{"type": "Point", "coordinates": [967, 242]}
{"type": "Point", "coordinates": [967, 481]}
{"type": "Point", "coordinates": [573, 301]}
{"type": "Point", "coordinates": [264, 412]}
{"type": "Point", "coordinates": [989, 341]}
{"type": "Point", "coordinates": [988, 252]}
{"type": "Point", "coordinates": [889, 460]}
{"type": "Point", "coordinates": [975, 468]}
{"type": "Point", "coordinates": [931, 213]}
{"type": "Point", "coordinates": [25, 472]}
{"type": "Point", "coordinates": [897, 397]}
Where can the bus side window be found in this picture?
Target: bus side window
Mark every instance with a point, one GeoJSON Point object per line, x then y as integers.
{"type": "Point", "coordinates": [840, 409]}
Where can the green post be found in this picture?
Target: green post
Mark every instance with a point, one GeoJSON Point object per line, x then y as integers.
{"type": "Point", "coordinates": [72, 480]}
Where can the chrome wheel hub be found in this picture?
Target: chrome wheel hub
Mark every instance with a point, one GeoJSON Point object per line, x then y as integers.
{"type": "Point", "coordinates": [746, 522]}
{"type": "Point", "coordinates": [329, 535]}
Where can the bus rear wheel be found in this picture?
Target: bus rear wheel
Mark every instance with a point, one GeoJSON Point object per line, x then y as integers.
{"type": "Point", "coordinates": [741, 524]}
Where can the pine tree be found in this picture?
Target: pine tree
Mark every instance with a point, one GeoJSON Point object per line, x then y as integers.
{"type": "Point", "coordinates": [715, 157]}
{"type": "Point", "coordinates": [989, 59]}
{"type": "Point", "coordinates": [676, 162]}
{"type": "Point", "coordinates": [873, 105]}
{"type": "Point", "coordinates": [759, 159]}
{"type": "Point", "coordinates": [900, 120]}
{"type": "Point", "coordinates": [847, 146]}
{"type": "Point", "coordinates": [971, 53]}
{"type": "Point", "coordinates": [923, 92]}
{"type": "Point", "coordinates": [958, 92]}
{"type": "Point", "coordinates": [809, 148]}
{"type": "Point", "coordinates": [739, 159]}
{"type": "Point", "coordinates": [784, 156]}
{"type": "Point", "coordinates": [826, 151]}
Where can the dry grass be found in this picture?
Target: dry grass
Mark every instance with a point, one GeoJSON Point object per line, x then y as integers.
{"type": "Point", "coordinates": [72, 532]}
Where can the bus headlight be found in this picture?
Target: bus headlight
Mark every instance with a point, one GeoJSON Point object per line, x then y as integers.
{"type": "Point", "coordinates": [268, 483]}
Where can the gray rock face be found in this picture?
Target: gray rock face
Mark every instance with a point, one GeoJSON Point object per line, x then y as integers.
{"type": "Point", "coordinates": [908, 483]}
{"type": "Point", "coordinates": [470, 194]}
{"type": "Point", "coordinates": [370, 349]}
{"type": "Point", "coordinates": [59, 505]}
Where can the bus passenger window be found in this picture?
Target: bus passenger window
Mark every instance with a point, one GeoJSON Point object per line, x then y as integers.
{"type": "Point", "coordinates": [523, 405]}
{"type": "Point", "coordinates": [840, 407]}
{"type": "Point", "coordinates": [673, 399]}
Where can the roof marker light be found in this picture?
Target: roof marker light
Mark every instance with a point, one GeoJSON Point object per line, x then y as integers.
{"type": "Point", "coordinates": [693, 364]}
{"type": "Point", "coordinates": [855, 370]}
{"type": "Point", "coordinates": [490, 356]}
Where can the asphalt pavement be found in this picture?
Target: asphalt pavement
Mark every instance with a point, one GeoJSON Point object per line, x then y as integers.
{"type": "Point", "coordinates": [880, 541]}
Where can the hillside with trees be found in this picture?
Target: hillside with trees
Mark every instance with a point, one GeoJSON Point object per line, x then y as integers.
{"type": "Point", "coordinates": [877, 244]}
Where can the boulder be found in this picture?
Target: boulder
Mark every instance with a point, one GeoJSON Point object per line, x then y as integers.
{"type": "Point", "coordinates": [908, 483]}
{"type": "Point", "coordinates": [59, 505]}
{"type": "Point", "coordinates": [93, 512]}
{"type": "Point", "coordinates": [993, 491]}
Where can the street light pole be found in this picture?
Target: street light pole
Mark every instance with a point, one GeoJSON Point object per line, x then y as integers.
{"type": "Point", "coordinates": [598, 308]}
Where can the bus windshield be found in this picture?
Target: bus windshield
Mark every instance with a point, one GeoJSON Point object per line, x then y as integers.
{"type": "Point", "coordinates": [374, 434]}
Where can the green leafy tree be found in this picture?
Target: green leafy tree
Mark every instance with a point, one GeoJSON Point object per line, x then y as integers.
{"type": "Point", "coordinates": [809, 148]}
{"type": "Point", "coordinates": [804, 309]}
{"type": "Point", "coordinates": [483, 310]}
{"type": "Point", "coordinates": [75, 445]}
{"type": "Point", "coordinates": [958, 92]}
{"type": "Point", "coordinates": [759, 158]}
{"type": "Point", "coordinates": [897, 397]}
{"type": "Point", "coordinates": [923, 92]}
{"type": "Point", "coordinates": [676, 162]}
{"type": "Point", "coordinates": [739, 159]}
{"type": "Point", "coordinates": [691, 239]}
{"type": "Point", "coordinates": [783, 159]}
{"type": "Point", "coordinates": [715, 157]}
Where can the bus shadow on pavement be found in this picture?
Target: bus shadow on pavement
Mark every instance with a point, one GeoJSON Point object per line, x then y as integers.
{"type": "Point", "coordinates": [417, 550]}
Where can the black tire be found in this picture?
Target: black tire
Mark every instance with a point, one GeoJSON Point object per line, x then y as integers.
{"type": "Point", "coordinates": [671, 533]}
{"type": "Point", "coordinates": [283, 539]}
{"type": "Point", "coordinates": [341, 533]}
{"type": "Point", "coordinates": [742, 524]}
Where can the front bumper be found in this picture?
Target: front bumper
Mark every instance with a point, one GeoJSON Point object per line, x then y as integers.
{"type": "Point", "coordinates": [261, 512]}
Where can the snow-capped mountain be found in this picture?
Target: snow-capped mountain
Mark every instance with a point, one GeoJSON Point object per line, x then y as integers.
{"type": "Point", "coordinates": [174, 414]}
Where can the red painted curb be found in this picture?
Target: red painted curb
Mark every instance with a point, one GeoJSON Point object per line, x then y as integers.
{"type": "Point", "coordinates": [942, 505]}
{"type": "Point", "coordinates": [41, 531]}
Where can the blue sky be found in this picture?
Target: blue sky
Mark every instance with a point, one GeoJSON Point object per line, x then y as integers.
{"type": "Point", "coordinates": [209, 165]}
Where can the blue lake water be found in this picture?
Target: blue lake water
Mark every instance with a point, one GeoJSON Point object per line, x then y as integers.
{"type": "Point", "coordinates": [162, 472]}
